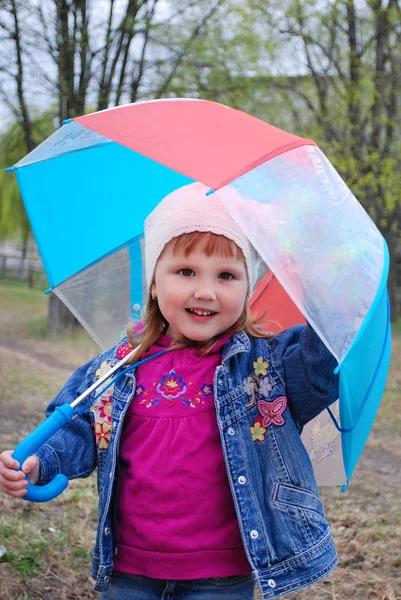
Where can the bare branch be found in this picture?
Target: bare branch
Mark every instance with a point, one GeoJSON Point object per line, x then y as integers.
{"type": "Point", "coordinates": [26, 121]}
{"type": "Point", "coordinates": [122, 41]}
{"type": "Point", "coordinates": [139, 67]}
{"type": "Point", "coordinates": [180, 57]}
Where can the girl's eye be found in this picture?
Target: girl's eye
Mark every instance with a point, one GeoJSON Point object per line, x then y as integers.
{"type": "Point", "coordinates": [186, 272]}
{"type": "Point", "coordinates": [226, 276]}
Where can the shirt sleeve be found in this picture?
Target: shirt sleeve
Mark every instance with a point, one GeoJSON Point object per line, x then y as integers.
{"type": "Point", "coordinates": [72, 449]}
{"type": "Point", "coordinates": [307, 368]}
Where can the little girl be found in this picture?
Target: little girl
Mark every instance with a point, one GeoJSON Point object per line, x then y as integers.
{"type": "Point", "coordinates": [204, 484]}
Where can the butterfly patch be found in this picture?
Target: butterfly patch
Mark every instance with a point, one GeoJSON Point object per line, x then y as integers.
{"type": "Point", "coordinates": [271, 414]}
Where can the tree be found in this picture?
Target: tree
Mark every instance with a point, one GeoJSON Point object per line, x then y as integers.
{"type": "Point", "coordinates": [80, 58]}
{"type": "Point", "coordinates": [344, 91]}
{"type": "Point", "coordinates": [13, 146]}
{"type": "Point", "coordinates": [22, 135]}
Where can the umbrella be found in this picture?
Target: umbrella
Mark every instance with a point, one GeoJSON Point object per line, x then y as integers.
{"type": "Point", "coordinates": [88, 188]}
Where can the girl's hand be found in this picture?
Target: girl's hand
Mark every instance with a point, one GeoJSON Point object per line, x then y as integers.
{"type": "Point", "coordinates": [13, 482]}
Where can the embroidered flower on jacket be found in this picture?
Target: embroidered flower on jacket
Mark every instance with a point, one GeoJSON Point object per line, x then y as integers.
{"type": "Point", "coordinates": [103, 433]}
{"type": "Point", "coordinates": [272, 412]}
{"type": "Point", "coordinates": [139, 391]}
{"type": "Point", "coordinates": [260, 366]}
{"type": "Point", "coordinates": [265, 387]}
{"type": "Point", "coordinates": [103, 369]}
{"type": "Point", "coordinates": [102, 407]}
{"type": "Point", "coordinates": [207, 389]}
{"type": "Point", "coordinates": [171, 386]}
{"type": "Point", "coordinates": [104, 410]}
{"type": "Point", "coordinates": [248, 385]}
{"type": "Point", "coordinates": [258, 432]}
{"type": "Point", "coordinates": [123, 350]}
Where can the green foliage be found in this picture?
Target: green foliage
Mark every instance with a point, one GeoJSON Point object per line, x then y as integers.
{"type": "Point", "coordinates": [27, 560]}
{"type": "Point", "coordinates": [13, 218]}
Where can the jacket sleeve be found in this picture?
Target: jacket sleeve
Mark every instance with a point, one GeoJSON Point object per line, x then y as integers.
{"type": "Point", "coordinates": [306, 367]}
{"type": "Point", "coordinates": [72, 449]}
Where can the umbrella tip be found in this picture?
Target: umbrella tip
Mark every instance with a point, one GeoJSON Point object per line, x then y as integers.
{"type": "Point", "coordinates": [47, 291]}
{"type": "Point", "coordinates": [66, 121]}
{"type": "Point", "coordinates": [209, 192]}
{"type": "Point", "coordinates": [9, 169]}
{"type": "Point", "coordinates": [345, 486]}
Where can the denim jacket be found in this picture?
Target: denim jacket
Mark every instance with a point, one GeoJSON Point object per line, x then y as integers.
{"type": "Point", "coordinates": [265, 392]}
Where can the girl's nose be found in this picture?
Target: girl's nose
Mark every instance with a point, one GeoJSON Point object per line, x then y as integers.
{"type": "Point", "coordinates": [205, 294]}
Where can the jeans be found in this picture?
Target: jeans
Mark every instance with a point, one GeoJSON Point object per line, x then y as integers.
{"type": "Point", "coordinates": [138, 587]}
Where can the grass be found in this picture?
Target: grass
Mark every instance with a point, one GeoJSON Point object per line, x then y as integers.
{"type": "Point", "coordinates": [48, 546]}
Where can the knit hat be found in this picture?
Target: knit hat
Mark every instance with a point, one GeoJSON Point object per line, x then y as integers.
{"type": "Point", "coordinates": [186, 210]}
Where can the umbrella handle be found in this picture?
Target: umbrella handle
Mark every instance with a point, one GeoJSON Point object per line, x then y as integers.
{"type": "Point", "coordinates": [60, 417]}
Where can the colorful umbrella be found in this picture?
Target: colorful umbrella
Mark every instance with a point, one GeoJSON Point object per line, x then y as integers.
{"type": "Point", "coordinates": [88, 188]}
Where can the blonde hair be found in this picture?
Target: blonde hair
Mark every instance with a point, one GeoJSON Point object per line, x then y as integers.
{"type": "Point", "coordinates": [154, 322]}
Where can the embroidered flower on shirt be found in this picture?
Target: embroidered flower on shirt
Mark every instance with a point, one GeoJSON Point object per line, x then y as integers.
{"type": "Point", "coordinates": [272, 412]}
{"type": "Point", "coordinates": [103, 433]}
{"type": "Point", "coordinates": [193, 402]}
{"type": "Point", "coordinates": [148, 403]}
{"type": "Point", "coordinates": [258, 431]}
{"type": "Point", "coordinates": [139, 391]}
{"type": "Point", "coordinates": [207, 389]}
{"type": "Point", "coordinates": [260, 367]}
{"type": "Point", "coordinates": [265, 387]}
{"type": "Point", "coordinates": [171, 386]}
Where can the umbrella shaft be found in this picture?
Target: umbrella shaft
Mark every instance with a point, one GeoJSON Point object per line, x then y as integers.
{"type": "Point", "coordinates": [106, 376]}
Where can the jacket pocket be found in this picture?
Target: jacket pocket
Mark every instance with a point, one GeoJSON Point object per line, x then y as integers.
{"type": "Point", "coordinates": [297, 497]}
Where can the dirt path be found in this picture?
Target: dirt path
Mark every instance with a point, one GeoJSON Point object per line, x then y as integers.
{"type": "Point", "coordinates": [18, 348]}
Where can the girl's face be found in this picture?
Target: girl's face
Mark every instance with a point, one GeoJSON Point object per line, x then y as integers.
{"type": "Point", "coordinates": [200, 296]}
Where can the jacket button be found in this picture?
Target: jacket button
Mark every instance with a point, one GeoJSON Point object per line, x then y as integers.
{"type": "Point", "coordinates": [254, 534]}
{"type": "Point", "coordinates": [271, 583]}
{"type": "Point", "coordinates": [106, 579]}
{"type": "Point", "coordinates": [231, 431]}
{"type": "Point", "coordinates": [113, 425]}
{"type": "Point", "coordinates": [107, 531]}
{"type": "Point", "coordinates": [242, 480]}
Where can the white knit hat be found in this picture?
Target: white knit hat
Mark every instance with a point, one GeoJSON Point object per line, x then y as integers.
{"type": "Point", "coordinates": [186, 210]}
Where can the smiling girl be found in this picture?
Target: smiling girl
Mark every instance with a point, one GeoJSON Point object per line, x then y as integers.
{"type": "Point", "coordinates": [205, 486]}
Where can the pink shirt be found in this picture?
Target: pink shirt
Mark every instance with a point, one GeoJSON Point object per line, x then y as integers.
{"type": "Point", "coordinates": [176, 518]}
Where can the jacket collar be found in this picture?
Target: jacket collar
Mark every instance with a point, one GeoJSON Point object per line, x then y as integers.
{"type": "Point", "coordinates": [238, 343]}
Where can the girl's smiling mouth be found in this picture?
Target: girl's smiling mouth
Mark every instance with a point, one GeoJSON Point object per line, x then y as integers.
{"type": "Point", "coordinates": [197, 312]}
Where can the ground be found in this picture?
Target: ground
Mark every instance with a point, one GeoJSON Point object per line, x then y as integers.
{"type": "Point", "coordinates": [45, 549]}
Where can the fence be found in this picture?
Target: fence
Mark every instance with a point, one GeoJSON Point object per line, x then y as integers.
{"type": "Point", "coordinates": [14, 268]}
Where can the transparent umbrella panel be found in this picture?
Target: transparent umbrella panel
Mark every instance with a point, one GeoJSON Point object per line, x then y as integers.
{"type": "Point", "coordinates": [315, 236]}
{"type": "Point", "coordinates": [111, 291]}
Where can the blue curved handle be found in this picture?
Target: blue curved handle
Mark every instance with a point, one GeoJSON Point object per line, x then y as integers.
{"type": "Point", "coordinates": [60, 417]}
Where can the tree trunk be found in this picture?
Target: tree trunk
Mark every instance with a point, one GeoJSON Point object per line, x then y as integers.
{"type": "Point", "coordinates": [392, 241]}
{"type": "Point", "coordinates": [59, 318]}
